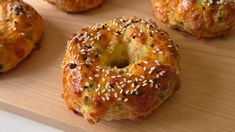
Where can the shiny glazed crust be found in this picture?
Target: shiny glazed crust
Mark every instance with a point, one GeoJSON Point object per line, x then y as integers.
{"type": "Point", "coordinates": [76, 5]}
{"type": "Point", "coordinates": [201, 18]}
{"type": "Point", "coordinates": [21, 28]}
{"type": "Point", "coordinates": [121, 69]}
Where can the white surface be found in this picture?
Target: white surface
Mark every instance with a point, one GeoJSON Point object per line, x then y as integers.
{"type": "Point", "coordinates": [14, 123]}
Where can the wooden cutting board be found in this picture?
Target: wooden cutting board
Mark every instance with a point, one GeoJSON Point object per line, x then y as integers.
{"type": "Point", "coordinates": [205, 102]}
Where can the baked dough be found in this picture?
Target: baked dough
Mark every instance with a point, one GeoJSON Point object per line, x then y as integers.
{"type": "Point", "coordinates": [76, 5]}
{"type": "Point", "coordinates": [201, 18]}
{"type": "Point", "coordinates": [121, 69]}
{"type": "Point", "coordinates": [21, 28]}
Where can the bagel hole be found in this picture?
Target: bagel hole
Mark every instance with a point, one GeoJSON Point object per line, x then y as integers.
{"type": "Point", "coordinates": [118, 57]}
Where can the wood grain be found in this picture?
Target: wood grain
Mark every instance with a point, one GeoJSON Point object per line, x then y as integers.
{"type": "Point", "coordinates": [205, 102]}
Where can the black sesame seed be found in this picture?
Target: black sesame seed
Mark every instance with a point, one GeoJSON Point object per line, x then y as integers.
{"type": "Point", "coordinates": [118, 33]}
{"type": "Point", "coordinates": [162, 34]}
{"type": "Point", "coordinates": [111, 86]}
{"type": "Point", "coordinates": [18, 10]}
{"type": "Point", "coordinates": [72, 66]}
{"type": "Point", "coordinates": [87, 65]}
{"type": "Point", "coordinates": [84, 57]}
{"type": "Point", "coordinates": [152, 45]}
{"type": "Point", "coordinates": [85, 87]}
{"type": "Point", "coordinates": [158, 29]}
{"type": "Point", "coordinates": [135, 83]}
{"type": "Point", "coordinates": [88, 47]}
{"type": "Point", "coordinates": [203, 8]}
{"type": "Point", "coordinates": [155, 81]}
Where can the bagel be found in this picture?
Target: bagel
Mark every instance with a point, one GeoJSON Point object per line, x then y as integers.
{"type": "Point", "coordinates": [121, 69]}
{"type": "Point", "coordinates": [21, 28]}
{"type": "Point", "coordinates": [201, 18]}
{"type": "Point", "coordinates": [76, 5]}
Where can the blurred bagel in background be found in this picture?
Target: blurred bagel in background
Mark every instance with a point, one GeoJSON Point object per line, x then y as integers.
{"type": "Point", "coordinates": [21, 28]}
{"type": "Point", "coordinates": [201, 18]}
{"type": "Point", "coordinates": [76, 6]}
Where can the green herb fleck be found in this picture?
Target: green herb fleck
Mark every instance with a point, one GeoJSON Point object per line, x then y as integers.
{"type": "Point", "coordinates": [118, 106]}
{"type": "Point", "coordinates": [121, 72]}
{"type": "Point", "coordinates": [86, 100]}
{"type": "Point", "coordinates": [91, 85]}
{"type": "Point", "coordinates": [161, 96]}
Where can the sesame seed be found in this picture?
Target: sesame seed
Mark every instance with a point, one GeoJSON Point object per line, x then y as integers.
{"type": "Point", "coordinates": [115, 95]}
{"type": "Point", "coordinates": [162, 73]}
{"type": "Point", "coordinates": [146, 62]}
{"type": "Point", "coordinates": [152, 69]}
{"type": "Point", "coordinates": [145, 84]}
{"type": "Point", "coordinates": [103, 90]}
{"type": "Point", "coordinates": [169, 46]}
{"type": "Point", "coordinates": [157, 62]}
{"type": "Point", "coordinates": [132, 91]}
{"type": "Point", "coordinates": [87, 84]}
{"type": "Point", "coordinates": [97, 90]}
{"type": "Point", "coordinates": [81, 89]}
{"type": "Point", "coordinates": [145, 81]}
{"type": "Point", "coordinates": [138, 86]}
{"type": "Point", "coordinates": [107, 98]}
{"type": "Point", "coordinates": [97, 75]}
{"type": "Point", "coordinates": [125, 100]}
{"type": "Point", "coordinates": [158, 75]}
{"type": "Point", "coordinates": [156, 86]}
{"type": "Point", "coordinates": [79, 67]}
{"type": "Point", "coordinates": [142, 76]}
{"type": "Point", "coordinates": [160, 52]}
{"type": "Point", "coordinates": [144, 68]}
{"type": "Point", "coordinates": [132, 85]}
{"type": "Point", "coordinates": [157, 49]}
{"type": "Point", "coordinates": [90, 78]}
{"type": "Point", "coordinates": [121, 91]}
{"type": "Point", "coordinates": [136, 79]}
{"type": "Point", "coordinates": [129, 81]}
{"type": "Point", "coordinates": [127, 91]}
{"type": "Point", "coordinates": [123, 85]}
{"type": "Point", "coordinates": [119, 99]}
{"type": "Point", "coordinates": [103, 98]}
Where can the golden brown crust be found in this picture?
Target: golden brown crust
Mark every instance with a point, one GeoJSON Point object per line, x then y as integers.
{"type": "Point", "coordinates": [202, 18]}
{"type": "Point", "coordinates": [96, 88]}
{"type": "Point", "coordinates": [20, 29]}
{"type": "Point", "coordinates": [76, 5]}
